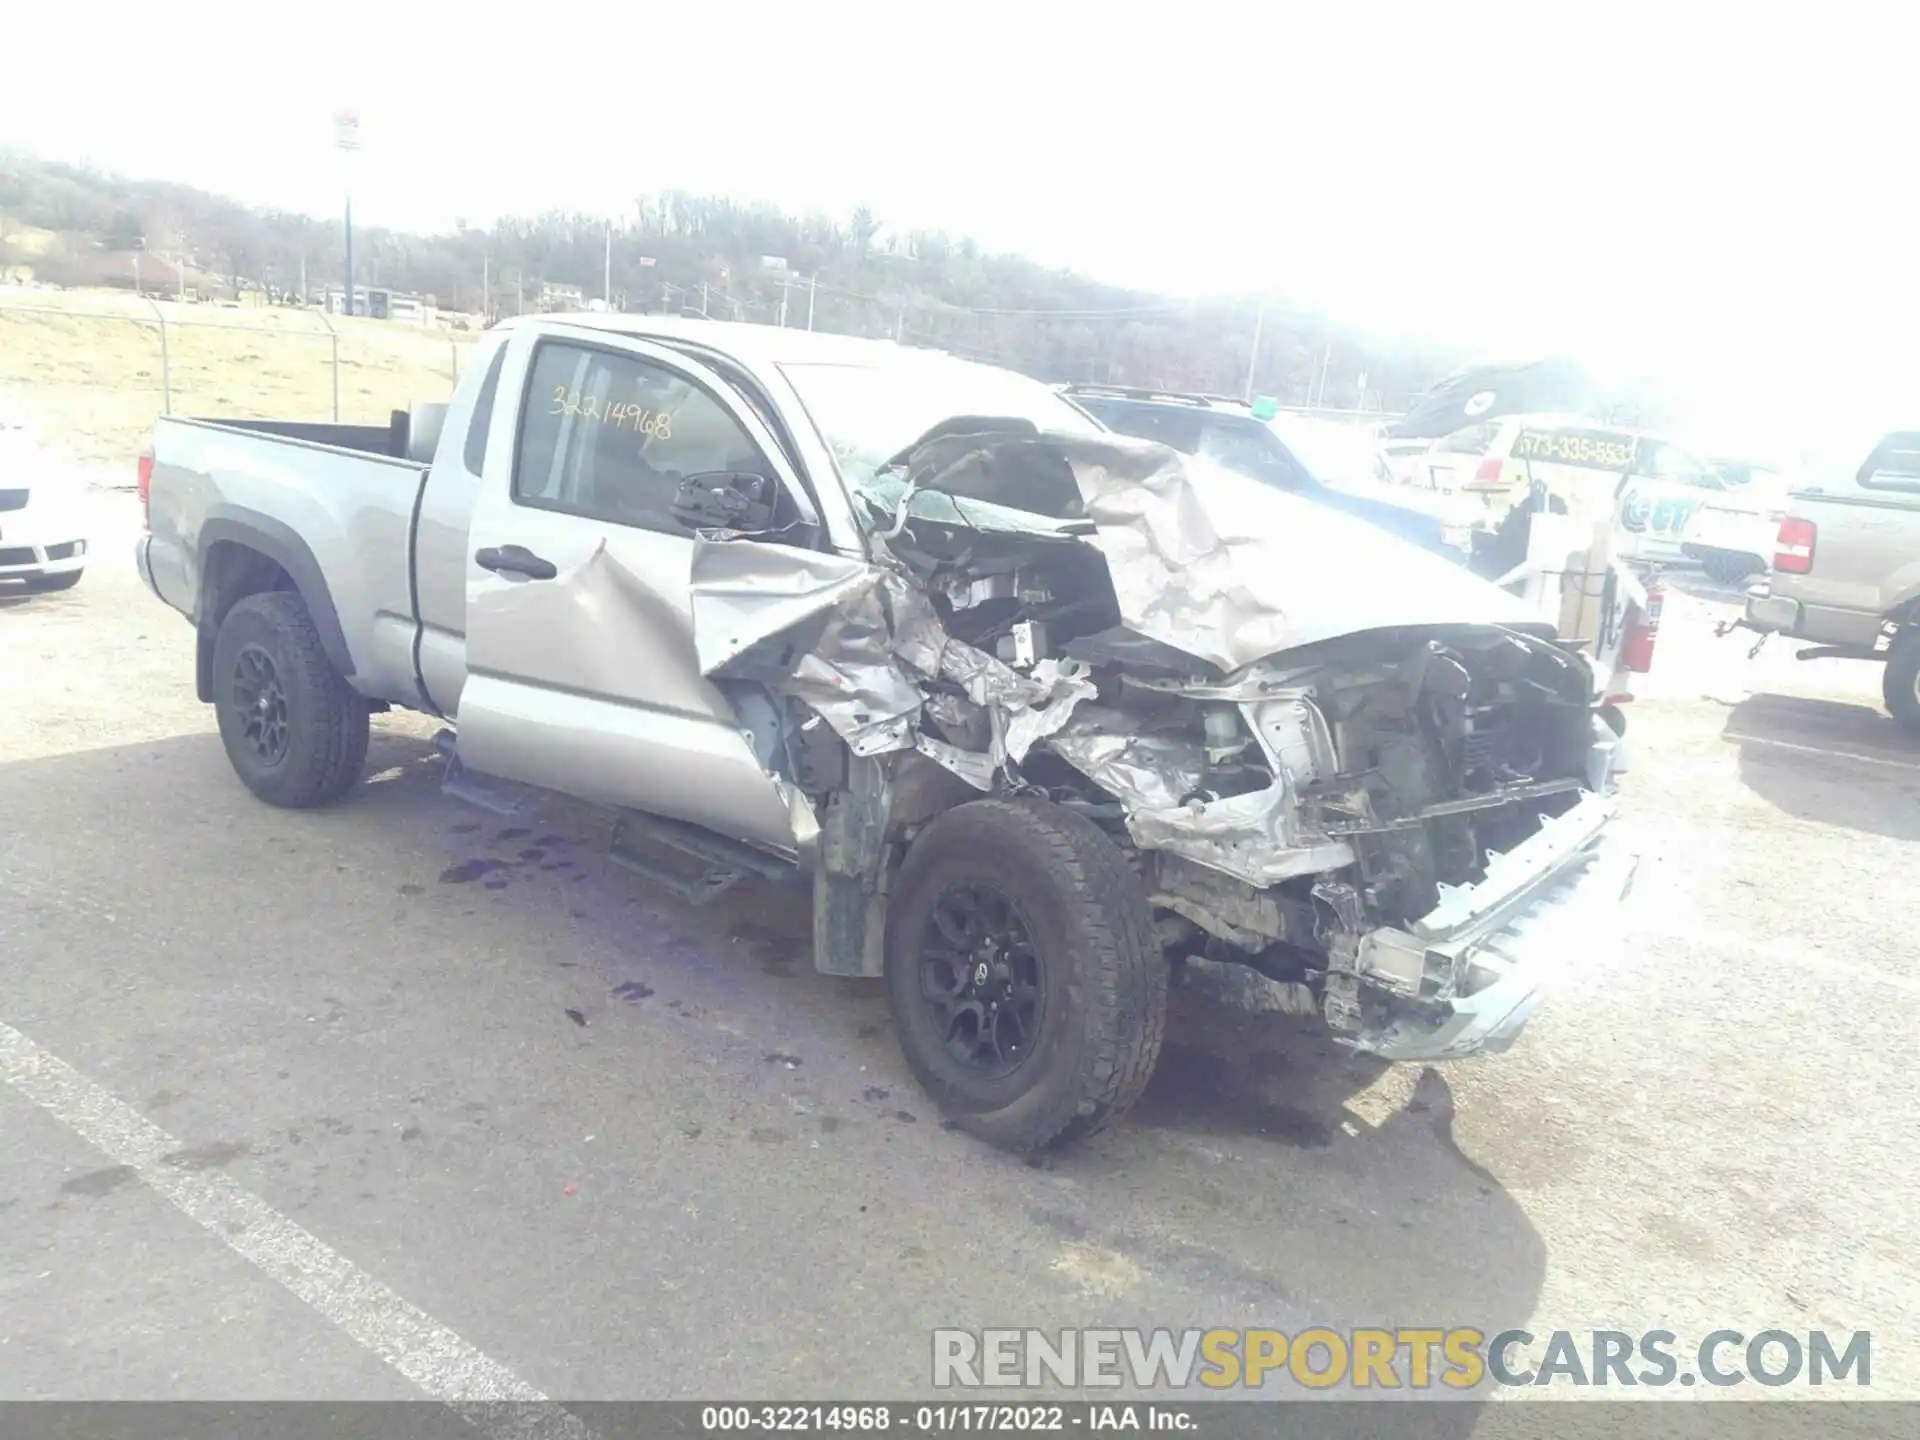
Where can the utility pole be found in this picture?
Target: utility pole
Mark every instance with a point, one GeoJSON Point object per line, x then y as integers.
{"type": "Point", "coordinates": [899, 322]}
{"type": "Point", "coordinates": [606, 283]}
{"type": "Point", "coordinates": [783, 302]}
{"type": "Point", "coordinates": [1253, 359]}
{"type": "Point", "coordinates": [813, 289]}
{"type": "Point", "coordinates": [703, 299]}
{"type": "Point", "coordinates": [486, 288]}
{"type": "Point", "coordinates": [346, 138]}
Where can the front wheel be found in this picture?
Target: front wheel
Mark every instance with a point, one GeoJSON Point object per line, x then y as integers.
{"type": "Point", "coordinates": [1025, 978]}
{"type": "Point", "coordinates": [295, 732]}
{"type": "Point", "coordinates": [1900, 684]}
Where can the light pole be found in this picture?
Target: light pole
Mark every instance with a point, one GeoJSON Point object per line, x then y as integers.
{"type": "Point", "coordinates": [346, 139]}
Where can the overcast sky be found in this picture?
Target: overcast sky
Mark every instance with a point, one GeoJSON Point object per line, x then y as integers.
{"type": "Point", "coordinates": [1689, 189]}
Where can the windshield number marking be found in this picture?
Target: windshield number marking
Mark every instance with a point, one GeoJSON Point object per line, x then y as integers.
{"type": "Point", "coordinates": [654, 424]}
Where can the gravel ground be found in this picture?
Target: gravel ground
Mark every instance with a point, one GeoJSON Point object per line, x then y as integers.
{"type": "Point", "coordinates": [619, 1148]}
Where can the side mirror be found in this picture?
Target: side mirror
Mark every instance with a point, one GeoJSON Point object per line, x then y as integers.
{"type": "Point", "coordinates": [724, 500]}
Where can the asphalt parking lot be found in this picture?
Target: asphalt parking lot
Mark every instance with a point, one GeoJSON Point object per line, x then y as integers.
{"type": "Point", "coordinates": [398, 1097]}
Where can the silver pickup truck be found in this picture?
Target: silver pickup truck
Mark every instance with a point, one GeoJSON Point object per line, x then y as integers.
{"type": "Point", "coordinates": [1846, 568]}
{"type": "Point", "coordinates": [1035, 709]}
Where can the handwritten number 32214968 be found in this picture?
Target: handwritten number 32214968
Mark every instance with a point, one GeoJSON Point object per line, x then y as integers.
{"type": "Point", "coordinates": [654, 424]}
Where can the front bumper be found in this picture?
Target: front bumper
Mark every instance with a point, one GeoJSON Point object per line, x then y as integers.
{"type": "Point", "coordinates": [1545, 906]}
{"type": "Point", "coordinates": [21, 560]}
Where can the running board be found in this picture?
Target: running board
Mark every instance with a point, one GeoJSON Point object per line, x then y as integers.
{"type": "Point", "coordinates": [722, 863]}
{"type": "Point", "coordinates": [497, 797]}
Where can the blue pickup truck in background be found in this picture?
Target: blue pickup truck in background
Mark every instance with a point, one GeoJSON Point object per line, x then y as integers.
{"type": "Point", "coordinates": [1335, 465]}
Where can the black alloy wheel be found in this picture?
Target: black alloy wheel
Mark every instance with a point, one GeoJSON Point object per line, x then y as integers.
{"type": "Point", "coordinates": [982, 977]}
{"type": "Point", "coordinates": [261, 702]}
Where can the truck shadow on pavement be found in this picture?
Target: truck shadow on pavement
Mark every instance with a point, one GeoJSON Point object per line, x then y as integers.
{"type": "Point", "coordinates": [1829, 762]}
{"type": "Point", "coordinates": [1296, 1183]}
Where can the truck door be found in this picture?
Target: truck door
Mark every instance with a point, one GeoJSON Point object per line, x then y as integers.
{"type": "Point", "coordinates": [582, 674]}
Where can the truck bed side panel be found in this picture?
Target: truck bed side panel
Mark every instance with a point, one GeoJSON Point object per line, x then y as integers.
{"type": "Point", "coordinates": [336, 520]}
{"type": "Point", "coordinates": [1866, 562]}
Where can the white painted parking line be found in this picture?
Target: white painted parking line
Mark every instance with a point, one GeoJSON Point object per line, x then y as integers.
{"type": "Point", "coordinates": [1822, 750]}
{"type": "Point", "coordinates": [445, 1367]}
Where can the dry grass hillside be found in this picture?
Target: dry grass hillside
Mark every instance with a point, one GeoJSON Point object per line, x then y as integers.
{"type": "Point", "coordinates": [84, 367]}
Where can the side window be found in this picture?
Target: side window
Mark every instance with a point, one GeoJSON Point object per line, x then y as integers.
{"type": "Point", "coordinates": [1473, 440]}
{"type": "Point", "coordinates": [1170, 425]}
{"type": "Point", "coordinates": [612, 436]}
{"type": "Point", "coordinates": [1662, 460]}
{"type": "Point", "coordinates": [481, 421]}
{"type": "Point", "coordinates": [1250, 448]}
{"type": "Point", "coordinates": [1894, 464]}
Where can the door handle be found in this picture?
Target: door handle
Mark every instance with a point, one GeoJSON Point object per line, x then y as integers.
{"type": "Point", "coordinates": [514, 560]}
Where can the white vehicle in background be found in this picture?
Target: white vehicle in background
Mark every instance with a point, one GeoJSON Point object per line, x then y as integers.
{"type": "Point", "coordinates": [1732, 535]}
{"type": "Point", "coordinates": [1350, 458]}
{"type": "Point", "coordinates": [42, 521]}
{"type": "Point", "coordinates": [1567, 464]}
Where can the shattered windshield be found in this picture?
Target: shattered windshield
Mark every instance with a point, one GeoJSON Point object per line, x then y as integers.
{"type": "Point", "coordinates": [867, 414]}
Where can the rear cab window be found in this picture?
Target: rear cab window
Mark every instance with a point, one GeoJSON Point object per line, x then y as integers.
{"type": "Point", "coordinates": [1894, 464]}
{"type": "Point", "coordinates": [1470, 440]}
{"type": "Point", "coordinates": [474, 454]}
{"type": "Point", "coordinates": [1177, 426]}
{"type": "Point", "coordinates": [1245, 445]}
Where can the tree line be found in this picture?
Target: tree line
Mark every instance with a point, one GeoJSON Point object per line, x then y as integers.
{"type": "Point", "coordinates": [733, 259]}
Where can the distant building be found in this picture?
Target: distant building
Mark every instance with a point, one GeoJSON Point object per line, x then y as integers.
{"type": "Point", "coordinates": [562, 297]}
{"type": "Point", "coordinates": [138, 270]}
{"type": "Point", "coordinates": [371, 300]}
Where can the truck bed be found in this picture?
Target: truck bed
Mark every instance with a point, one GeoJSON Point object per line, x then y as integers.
{"type": "Point", "coordinates": [388, 441]}
{"type": "Point", "coordinates": [331, 507]}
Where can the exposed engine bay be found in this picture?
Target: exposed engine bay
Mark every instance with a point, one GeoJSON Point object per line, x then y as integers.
{"type": "Point", "coordinates": [1331, 795]}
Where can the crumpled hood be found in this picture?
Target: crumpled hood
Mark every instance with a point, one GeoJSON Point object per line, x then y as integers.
{"type": "Point", "coordinates": [1212, 563]}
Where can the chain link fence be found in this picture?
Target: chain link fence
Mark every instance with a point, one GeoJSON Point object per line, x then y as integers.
{"type": "Point", "coordinates": [91, 371]}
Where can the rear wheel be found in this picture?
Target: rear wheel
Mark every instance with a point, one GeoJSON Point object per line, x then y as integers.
{"type": "Point", "coordinates": [1024, 973]}
{"type": "Point", "coordinates": [1900, 684]}
{"type": "Point", "coordinates": [295, 732]}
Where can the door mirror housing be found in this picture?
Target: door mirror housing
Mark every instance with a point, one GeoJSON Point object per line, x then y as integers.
{"type": "Point", "coordinates": [725, 500]}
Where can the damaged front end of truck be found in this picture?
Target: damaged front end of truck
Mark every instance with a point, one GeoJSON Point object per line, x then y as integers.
{"type": "Point", "coordinates": [1326, 756]}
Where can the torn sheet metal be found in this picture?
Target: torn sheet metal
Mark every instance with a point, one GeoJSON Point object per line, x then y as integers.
{"type": "Point", "coordinates": [1161, 782]}
{"type": "Point", "coordinates": [1065, 684]}
{"type": "Point", "coordinates": [1218, 565]}
{"type": "Point", "coordinates": [818, 627]}
{"type": "Point", "coordinates": [861, 645]}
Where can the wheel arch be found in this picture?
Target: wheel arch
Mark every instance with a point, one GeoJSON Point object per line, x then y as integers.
{"type": "Point", "coordinates": [242, 554]}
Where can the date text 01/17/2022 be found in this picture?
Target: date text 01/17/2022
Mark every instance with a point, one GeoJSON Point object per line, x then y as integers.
{"type": "Point", "coordinates": [1084, 1418]}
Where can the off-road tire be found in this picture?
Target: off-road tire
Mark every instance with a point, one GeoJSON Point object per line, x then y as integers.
{"type": "Point", "coordinates": [46, 583]}
{"type": "Point", "coordinates": [1900, 683]}
{"type": "Point", "coordinates": [326, 719]}
{"type": "Point", "coordinates": [1103, 974]}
